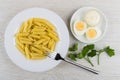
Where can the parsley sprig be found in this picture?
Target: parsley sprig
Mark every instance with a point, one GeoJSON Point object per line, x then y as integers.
{"type": "Point", "coordinates": [88, 52]}
{"type": "Point", "coordinates": [74, 47]}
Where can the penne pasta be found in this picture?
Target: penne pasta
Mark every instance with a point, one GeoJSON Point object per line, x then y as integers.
{"type": "Point", "coordinates": [38, 57]}
{"type": "Point", "coordinates": [54, 37]}
{"type": "Point", "coordinates": [30, 38]}
{"type": "Point", "coordinates": [50, 31]}
{"type": "Point", "coordinates": [19, 43]}
{"type": "Point", "coordinates": [38, 30]}
{"type": "Point", "coordinates": [20, 49]}
{"type": "Point", "coordinates": [39, 33]}
{"type": "Point", "coordinates": [30, 22]}
{"type": "Point", "coordinates": [53, 46]}
{"type": "Point", "coordinates": [45, 37]}
{"type": "Point", "coordinates": [51, 26]}
{"type": "Point", "coordinates": [26, 42]}
{"type": "Point", "coordinates": [36, 50]}
{"type": "Point", "coordinates": [46, 49]}
{"type": "Point", "coordinates": [22, 27]}
{"type": "Point", "coordinates": [27, 51]}
{"type": "Point", "coordinates": [25, 27]}
{"type": "Point", "coordinates": [39, 41]}
{"type": "Point", "coordinates": [24, 34]}
{"type": "Point", "coordinates": [50, 43]}
{"type": "Point", "coordinates": [45, 42]}
{"type": "Point", "coordinates": [35, 38]}
{"type": "Point", "coordinates": [37, 23]}
{"type": "Point", "coordinates": [24, 39]}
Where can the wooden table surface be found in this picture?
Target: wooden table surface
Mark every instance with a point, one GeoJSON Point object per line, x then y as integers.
{"type": "Point", "coordinates": [109, 67]}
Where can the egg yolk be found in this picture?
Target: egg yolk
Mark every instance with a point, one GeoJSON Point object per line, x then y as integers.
{"type": "Point", "coordinates": [91, 33]}
{"type": "Point", "coordinates": [80, 26]}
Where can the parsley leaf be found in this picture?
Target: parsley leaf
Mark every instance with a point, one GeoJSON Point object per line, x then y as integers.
{"type": "Point", "coordinates": [109, 51]}
{"type": "Point", "coordinates": [72, 56]}
{"type": "Point", "coordinates": [92, 53]}
{"type": "Point", "coordinates": [74, 47]}
{"type": "Point", "coordinates": [79, 55]}
{"type": "Point", "coordinates": [86, 49]}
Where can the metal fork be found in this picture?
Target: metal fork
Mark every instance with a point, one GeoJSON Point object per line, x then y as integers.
{"type": "Point", "coordinates": [57, 56]}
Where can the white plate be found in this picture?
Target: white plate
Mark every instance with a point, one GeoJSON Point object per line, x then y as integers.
{"type": "Point", "coordinates": [78, 15]}
{"type": "Point", "coordinates": [17, 57]}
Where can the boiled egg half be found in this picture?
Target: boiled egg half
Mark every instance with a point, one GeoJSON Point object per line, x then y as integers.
{"type": "Point", "coordinates": [93, 33]}
{"type": "Point", "coordinates": [79, 27]}
{"type": "Point", "coordinates": [92, 17]}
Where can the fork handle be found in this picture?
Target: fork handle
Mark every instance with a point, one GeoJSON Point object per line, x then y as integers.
{"type": "Point", "coordinates": [83, 67]}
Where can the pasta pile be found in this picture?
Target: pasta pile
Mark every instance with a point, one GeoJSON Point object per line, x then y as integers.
{"type": "Point", "coordinates": [35, 38]}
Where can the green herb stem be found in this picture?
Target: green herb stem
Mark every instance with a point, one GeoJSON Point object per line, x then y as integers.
{"type": "Point", "coordinates": [89, 61]}
{"type": "Point", "coordinates": [98, 59]}
{"type": "Point", "coordinates": [98, 55]}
